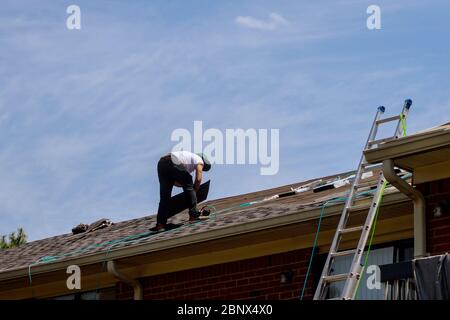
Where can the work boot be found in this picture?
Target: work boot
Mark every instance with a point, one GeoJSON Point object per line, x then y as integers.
{"type": "Point", "coordinates": [158, 228]}
{"type": "Point", "coordinates": [205, 211]}
{"type": "Point", "coordinates": [194, 215]}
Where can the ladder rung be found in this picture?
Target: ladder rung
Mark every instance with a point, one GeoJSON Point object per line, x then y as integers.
{"type": "Point", "coordinates": [343, 253]}
{"type": "Point", "coordinates": [371, 143]}
{"type": "Point", "coordinates": [358, 208]}
{"type": "Point", "coordinates": [388, 119]}
{"type": "Point", "coordinates": [335, 278]}
{"type": "Point", "coordinates": [352, 229]}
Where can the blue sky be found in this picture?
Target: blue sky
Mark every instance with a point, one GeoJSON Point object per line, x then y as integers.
{"type": "Point", "coordinates": [85, 114]}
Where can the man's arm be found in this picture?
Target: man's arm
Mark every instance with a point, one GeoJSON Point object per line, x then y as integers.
{"type": "Point", "coordinates": [198, 176]}
{"type": "Point", "coordinates": [177, 184]}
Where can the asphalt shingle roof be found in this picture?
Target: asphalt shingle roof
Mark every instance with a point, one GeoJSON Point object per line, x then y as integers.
{"type": "Point", "coordinates": [122, 234]}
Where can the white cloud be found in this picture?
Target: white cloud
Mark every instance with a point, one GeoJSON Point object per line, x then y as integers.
{"type": "Point", "coordinates": [275, 21]}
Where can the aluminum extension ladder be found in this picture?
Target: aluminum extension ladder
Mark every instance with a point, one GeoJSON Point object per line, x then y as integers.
{"type": "Point", "coordinates": [352, 278]}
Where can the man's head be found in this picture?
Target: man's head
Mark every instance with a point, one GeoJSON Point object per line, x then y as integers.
{"type": "Point", "coordinates": [206, 163]}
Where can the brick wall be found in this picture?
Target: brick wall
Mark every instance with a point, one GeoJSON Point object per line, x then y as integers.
{"type": "Point", "coordinates": [438, 228]}
{"type": "Point", "coordinates": [257, 278]}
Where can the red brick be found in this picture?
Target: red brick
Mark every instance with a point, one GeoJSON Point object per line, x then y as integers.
{"type": "Point", "coordinates": [249, 274]}
{"type": "Point", "coordinates": [255, 280]}
{"type": "Point", "coordinates": [249, 279]}
{"type": "Point", "coordinates": [440, 249]}
{"type": "Point", "coordinates": [441, 239]}
{"type": "Point", "coordinates": [242, 282]}
{"type": "Point", "coordinates": [438, 228]}
{"type": "Point", "coordinates": [440, 231]}
{"type": "Point", "coordinates": [273, 296]}
{"type": "Point", "coordinates": [438, 222]}
{"type": "Point", "coordinates": [286, 295]}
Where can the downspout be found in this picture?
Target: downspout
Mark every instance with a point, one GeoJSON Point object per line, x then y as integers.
{"type": "Point", "coordinates": [137, 287]}
{"type": "Point", "coordinates": [419, 207]}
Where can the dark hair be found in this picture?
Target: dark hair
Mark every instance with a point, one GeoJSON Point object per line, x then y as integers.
{"type": "Point", "coordinates": [206, 163]}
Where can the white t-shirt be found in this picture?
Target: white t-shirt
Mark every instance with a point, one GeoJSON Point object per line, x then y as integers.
{"type": "Point", "coordinates": [188, 159]}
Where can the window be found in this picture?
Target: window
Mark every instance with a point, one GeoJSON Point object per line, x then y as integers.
{"type": "Point", "coordinates": [385, 254]}
{"type": "Point", "coordinates": [342, 265]}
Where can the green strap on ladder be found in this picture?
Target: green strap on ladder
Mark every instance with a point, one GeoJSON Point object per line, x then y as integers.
{"type": "Point", "coordinates": [403, 122]}
{"type": "Point", "coordinates": [383, 187]}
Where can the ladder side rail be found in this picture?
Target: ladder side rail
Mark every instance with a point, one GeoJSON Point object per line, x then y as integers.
{"type": "Point", "coordinates": [356, 181]}
{"type": "Point", "coordinates": [356, 267]}
{"type": "Point", "coordinates": [327, 267]}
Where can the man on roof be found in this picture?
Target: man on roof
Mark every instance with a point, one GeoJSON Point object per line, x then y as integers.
{"type": "Point", "coordinates": [174, 169]}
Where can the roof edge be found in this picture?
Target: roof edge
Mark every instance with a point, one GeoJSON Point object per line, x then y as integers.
{"type": "Point", "coordinates": [409, 145]}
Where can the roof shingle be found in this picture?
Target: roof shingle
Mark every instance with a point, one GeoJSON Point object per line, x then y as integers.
{"type": "Point", "coordinates": [230, 212]}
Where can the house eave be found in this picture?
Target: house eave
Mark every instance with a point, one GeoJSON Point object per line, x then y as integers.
{"type": "Point", "coordinates": [419, 145]}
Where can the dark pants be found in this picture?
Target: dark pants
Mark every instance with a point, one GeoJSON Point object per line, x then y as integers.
{"type": "Point", "coordinates": [168, 173]}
